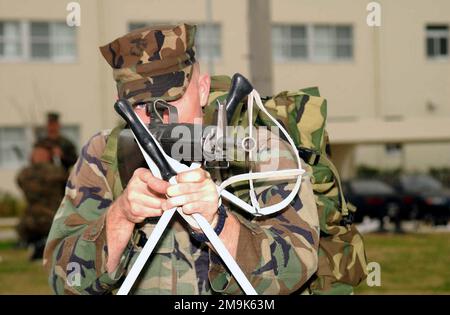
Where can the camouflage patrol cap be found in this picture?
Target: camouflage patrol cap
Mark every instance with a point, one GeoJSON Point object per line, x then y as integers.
{"type": "Point", "coordinates": [152, 62]}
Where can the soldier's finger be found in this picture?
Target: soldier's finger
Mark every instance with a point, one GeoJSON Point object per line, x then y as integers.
{"type": "Point", "coordinates": [144, 200]}
{"type": "Point", "coordinates": [157, 185]}
{"type": "Point", "coordinates": [139, 211]}
{"type": "Point", "coordinates": [181, 200]}
{"type": "Point", "coordinates": [192, 176]}
{"type": "Point", "coordinates": [199, 207]}
{"type": "Point", "coordinates": [143, 174]}
{"type": "Point", "coordinates": [184, 188]}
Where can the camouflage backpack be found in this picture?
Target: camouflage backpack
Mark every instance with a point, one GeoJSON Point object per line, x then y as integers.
{"type": "Point", "coordinates": [342, 259]}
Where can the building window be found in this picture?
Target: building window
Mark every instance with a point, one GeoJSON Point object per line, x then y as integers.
{"type": "Point", "coordinates": [53, 41]}
{"type": "Point", "coordinates": [208, 41]}
{"type": "Point", "coordinates": [290, 42]}
{"type": "Point", "coordinates": [10, 40]}
{"type": "Point", "coordinates": [332, 42]}
{"type": "Point", "coordinates": [312, 42]}
{"type": "Point", "coordinates": [206, 44]}
{"type": "Point", "coordinates": [437, 41]}
{"type": "Point", "coordinates": [13, 147]}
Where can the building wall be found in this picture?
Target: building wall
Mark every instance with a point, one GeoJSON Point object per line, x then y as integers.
{"type": "Point", "coordinates": [30, 89]}
{"type": "Point", "coordinates": [408, 81]}
{"type": "Point", "coordinates": [383, 92]}
{"type": "Point", "coordinates": [414, 158]}
{"type": "Point", "coordinates": [380, 95]}
{"type": "Point", "coordinates": [408, 78]}
{"type": "Point", "coordinates": [344, 83]}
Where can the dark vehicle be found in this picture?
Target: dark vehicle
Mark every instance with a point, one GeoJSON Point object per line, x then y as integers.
{"type": "Point", "coordinates": [424, 197]}
{"type": "Point", "coordinates": [373, 198]}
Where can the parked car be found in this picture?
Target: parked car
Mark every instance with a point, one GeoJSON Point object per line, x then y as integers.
{"type": "Point", "coordinates": [425, 197]}
{"type": "Point", "coordinates": [373, 198]}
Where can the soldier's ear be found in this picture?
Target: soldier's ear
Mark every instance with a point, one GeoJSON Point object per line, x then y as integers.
{"type": "Point", "coordinates": [204, 82]}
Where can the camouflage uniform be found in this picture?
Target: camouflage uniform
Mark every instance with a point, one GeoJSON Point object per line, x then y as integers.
{"type": "Point", "coordinates": [43, 187]}
{"type": "Point", "coordinates": [277, 253]}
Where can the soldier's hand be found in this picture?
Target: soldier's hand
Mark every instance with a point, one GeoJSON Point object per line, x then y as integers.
{"type": "Point", "coordinates": [143, 196]}
{"type": "Point", "coordinates": [141, 199]}
{"type": "Point", "coordinates": [195, 192]}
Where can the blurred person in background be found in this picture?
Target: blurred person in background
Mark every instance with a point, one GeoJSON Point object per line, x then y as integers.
{"type": "Point", "coordinates": [62, 149]}
{"type": "Point", "coordinates": [42, 183]}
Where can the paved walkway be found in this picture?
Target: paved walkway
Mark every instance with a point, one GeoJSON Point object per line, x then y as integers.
{"type": "Point", "coordinates": [7, 229]}
{"type": "Point", "coordinates": [8, 222]}
{"type": "Point", "coordinates": [8, 235]}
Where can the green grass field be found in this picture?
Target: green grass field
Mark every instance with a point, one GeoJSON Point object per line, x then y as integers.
{"type": "Point", "coordinates": [410, 264]}
{"type": "Point", "coordinates": [18, 275]}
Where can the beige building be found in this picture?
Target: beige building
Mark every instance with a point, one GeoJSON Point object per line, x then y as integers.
{"type": "Point", "coordinates": [386, 84]}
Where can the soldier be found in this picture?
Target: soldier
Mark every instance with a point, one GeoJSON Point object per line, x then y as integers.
{"type": "Point", "coordinates": [63, 150]}
{"type": "Point", "coordinates": [43, 186]}
{"type": "Point", "coordinates": [102, 226]}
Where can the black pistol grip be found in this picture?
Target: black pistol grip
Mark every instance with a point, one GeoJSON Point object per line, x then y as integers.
{"type": "Point", "coordinates": [239, 89]}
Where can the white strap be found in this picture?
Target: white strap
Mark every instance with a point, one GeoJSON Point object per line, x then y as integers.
{"type": "Point", "coordinates": [201, 222]}
{"type": "Point", "coordinates": [252, 193]}
{"type": "Point", "coordinates": [146, 252]}
{"type": "Point", "coordinates": [212, 237]}
{"type": "Point", "coordinates": [297, 172]}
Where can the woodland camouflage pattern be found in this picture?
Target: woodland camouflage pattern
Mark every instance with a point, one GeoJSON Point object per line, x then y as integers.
{"type": "Point", "coordinates": [152, 62]}
{"type": "Point", "coordinates": [277, 253]}
{"type": "Point", "coordinates": [43, 187]}
{"type": "Point", "coordinates": [342, 258]}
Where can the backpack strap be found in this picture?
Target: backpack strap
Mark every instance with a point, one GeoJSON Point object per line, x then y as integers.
{"type": "Point", "coordinates": [109, 156]}
{"type": "Point", "coordinates": [346, 208]}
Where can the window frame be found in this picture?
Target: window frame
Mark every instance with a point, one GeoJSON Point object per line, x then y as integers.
{"type": "Point", "coordinates": [21, 42]}
{"type": "Point", "coordinates": [334, 43]}
{"type": "Point", "coordinates": [436, 36]}
{"type": "Point", "coordinates": [311, 42]}
{"type": "Point", "coordinates": [203, 27]}
{"type": "Point", "coordinates": [23, 146]}
{"type": "Point", "coordinates": [26, 44]}
{"type": "Point", "coordinates": [289, 45]}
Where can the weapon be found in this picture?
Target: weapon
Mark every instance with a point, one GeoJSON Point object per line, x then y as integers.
{"type": "Point", "coordinates": [165, 167]}
{"type": "Point", "coordinates": [183, 141]}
